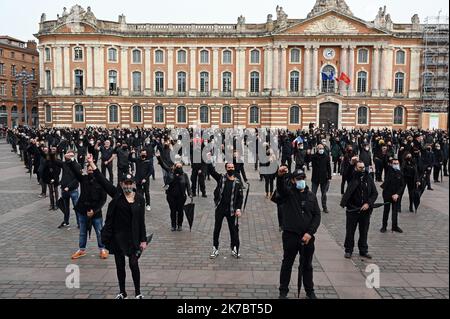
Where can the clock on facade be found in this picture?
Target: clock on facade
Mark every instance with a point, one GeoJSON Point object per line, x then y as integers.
{"type": "Point", "coordinates": [329, 54]}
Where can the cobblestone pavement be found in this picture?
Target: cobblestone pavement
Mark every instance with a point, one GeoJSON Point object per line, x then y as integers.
{"type": "Point", "coordinates": [34, 254]}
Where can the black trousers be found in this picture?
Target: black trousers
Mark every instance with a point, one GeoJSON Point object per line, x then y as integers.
{"type": "Point", "coordinates": [121, 273]}
{"type": "Point", "coordinates": [144, 190]}
{"type": "Point", "coordinates": [53, 190]}
{"type": "Point", "coordinates": [292, 246]}
{"type": "Point", "coordinates": [122, 172]}
{"type": "Point", "coordinates": [362, 221]}
{"type": "Point", "coordinates": [269, 182]}
{"type": "Point", "coordinates": [280, 215]}
{"type": "Point", "coordinates": [337, 164]}
{"type": "Point", "coordinates": [411, 185]}
{"type": "Point", "coordinates": [287, 161]}
{"type": "Point", "coordinates": [110, 171]}
{"type": "Point", "coordinates": [445, 167]}
{"type": "Point", "coordinates": [234, 230]}
{"type": "Point", "coordinates": [176, 206]}
{"type": "Point", "coordinates": [387, 209]}
{"type": "Point", "coordinates": [436, 172]}
{"type": "Point", "coordinates": [378, 169]}
{"type": "Point", "coordinates": [201, 180]}
{"type": "Point", "coordinates": [428, 177]}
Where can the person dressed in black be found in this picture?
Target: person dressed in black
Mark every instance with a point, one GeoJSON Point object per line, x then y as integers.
{"type": "Point", "coordinates": [228, 199]}
{"type": "Point", "coordinates": [142, 175]}
{"type": "Point", "coordinates": [412, 179]}
{"type": "Point", "coordinates": [123, 165]}
{"type": "Point", "coordinates": [393, 186]}
{"type": "Point", "coordinates": [107, 157]}
{"type": "Point", "coordinates": [51, 174]}
{"type": "Point", "coordinates": [124, 232]}
{"type": "Point", "coordinates": [361, 194]}
{"type": "Point", "coordinates": [445, 149]}
{"type": "Point", "coordinates": [321, 173]}
{"type": "Point", "coordinates": [301, 219]}
{"type": "Point", "coordinates": [199, 169]}
{"type": "Point", "coordinates": [268, 167]}
{"type": "Point", "coordinates": [428, 160]}
{"type": "Point", "coordinates": [438, 162]}
{"type": "Point", "coordinates": [239, 168]}
{"type": "Point", "coordinates": [178, 186]}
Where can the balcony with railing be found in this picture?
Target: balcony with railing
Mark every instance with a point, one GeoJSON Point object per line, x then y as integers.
{"type": "Point", "coordinates": [204, 94]}
{"type": "Point", "coordinates": [253, 94]}
{"type": "Point", "coordinates": [137, 93]}
{"type": "Point", "coordinates": [113, 92]}
{"type": "Point", "coordinates": [226, 94]}
{"type": "Point", "coordinates": [181, 93]}
{"type": "Point", "coordinates": [160, 93]}
{"type": "Point", "coordinates": [295, 93]}
{"type": "Point", "coordinates": [78, 91]}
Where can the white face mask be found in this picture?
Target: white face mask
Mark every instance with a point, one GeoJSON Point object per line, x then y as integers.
{"type": "Point", "coordinates": [321, 151]}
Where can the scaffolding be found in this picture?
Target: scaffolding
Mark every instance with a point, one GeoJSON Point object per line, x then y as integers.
{"type": "Point", "coordinates": [435, 70]}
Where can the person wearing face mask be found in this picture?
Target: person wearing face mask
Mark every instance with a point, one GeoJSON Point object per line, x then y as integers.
{"type": "Point", "coordinates": [123, 164]}
{"type": "Point", "coordinates": [337, 154]}
{"type": "Point", "coordinates": [393, 187]}
{"type": "Point", "coordinates": [51, 174]}
{"type": "Point", "coordinates": [178, 186]}
{"type": "Point", "coordinates": [428, 162]}
{"type": "Point", "coordinates": [81, 151]}
{"type": "Point", "coordinates": [301, 219]}
{"type": "Point", "coordinates": [321, 174]}
{"type": "Point", "coordinates": [445, 152]}
{"type": "Point", "coordinates": [366, 157]}
{"type": "Point", "coordinates": [228, 200]}
{"type": "Point", "coordinates": [124, 231]}
{"type": "Point", "coordinates": [361, 193]}
{"type": "Point", "coordinates": [412, 178]}
{"type": "Point", "coordinates": [267, 166]}
{"type": "Point", "coordinates": [300, 156]}
{"type": "Point", "coordinates": [346, 162]}
{"type": "Point", "coordinates": [92, 148]}
{"type": "Point", "coordinates": [438, 162]}
{"type": "Point", "coordinates": [142, 175]}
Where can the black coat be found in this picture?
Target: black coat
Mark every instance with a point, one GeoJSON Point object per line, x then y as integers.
{"type": "Point", "coordinates": [352, 200]}
{"type": "Point", "coordinates": [51, 172]}
{"type": "Point", "coordinates": [178, 185]}
{"type": "Point", "coordinates": [142, 168]}
{"type": "Point", "coordinates": [138, 231]}
{"type": "Point", "coordinates": [394, 183]}
{"type": "Point", "coordinates": [321, 168]}
{"type": "Point", "coordinates": [238, 196]}
{"type": "Point", "coordinates": [68, 179]}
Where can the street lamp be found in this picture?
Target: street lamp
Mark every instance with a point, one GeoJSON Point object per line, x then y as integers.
{"type": "Point", "coordinates": [25, 78]}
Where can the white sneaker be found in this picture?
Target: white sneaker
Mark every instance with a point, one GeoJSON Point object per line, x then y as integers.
{"type": "Point", "coordinates": [235, 253]}
{"type": "Point", "coordinates": [149, 208]}
{"type": "Point", "coordinates": [121, 296]}
{"type": "Point", "coordinates": [334, 174]}
{"type": "Point", "coordinates": [214, 254]}
{"type": "Point", "coordinates": [140, 296]}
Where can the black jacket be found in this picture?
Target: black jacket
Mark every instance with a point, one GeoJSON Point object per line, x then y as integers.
{"type": "Point", "coordinates": [178, 185]}
{"type": "Point", "coordinates": [138, 231]}
{"type": "Point", "coordinates": [51, 172]}
{"type": "Point", "coordinates": [301, 212]}
{"type": "Point", "coordinates": [394, 183]}
{"type": "Point", "coordinates": [410, 172]}
{"type": "Point", "coordinates": [321, 168]}
{"type": "Point", "coordinates": [352, 199]}
{"type": "Point", "coordinates": [366, 157]}
{"type": "Point", "coordinates": [238, 194]}
{"type": "Point", "coordinates": [68, 179]}
{"type": "Point", "coordinates": [142, 168]}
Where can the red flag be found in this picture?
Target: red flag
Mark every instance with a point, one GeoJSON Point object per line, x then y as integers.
{"type": "Point", "coordinates": [344, 77]}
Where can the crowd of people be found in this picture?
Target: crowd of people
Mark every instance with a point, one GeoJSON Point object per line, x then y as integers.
{"type": "Point", "coordinates": [77, 165]}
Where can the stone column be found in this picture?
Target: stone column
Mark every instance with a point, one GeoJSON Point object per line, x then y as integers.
{"type": "Point", "coordinates": [67, 73]}
{"type": "Point", "coordinates": [57, 69]}
{"type": "Point", "coordinates": [42, 80]}
{"type": "Point", "coordinates": [283, 89]}
{"type": "Point", "coordinates": [276, 71]}
{"type": "Point", "coordinates": [414, 88]}
{"type": "Point", "coordinates": [215, 79]}
{"type": "Point", "coordinates": [344, 64]}
{"type": "Point", "coordinates": [124, 76]}
{"type": "Point", "coordinates": [89, 71]}
{"type": "Point", "coordinates": [240, 70]}
{"type": "Point", "coordinates": [315, 71]}
{"type": "Point", "coordinates": [307, 71]}
{"type": "Point", "coordinates": [376, 71]}
{"type": "Point", "coordinates": [148, 73]}
{"type": "Point", "coordinates": [351, 69]}
{"type": "Point", "coordinates": [170, 61]}
{"type": "Point", "coordinates": [268, 69]}
{"type": "Point", "coordinates": [193, 72]}
{"type": "Point", "coordinates": [386, 71]}
{"type": "Point", "coordinates": [99, 69]}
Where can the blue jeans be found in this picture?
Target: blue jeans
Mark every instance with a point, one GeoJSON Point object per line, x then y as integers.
{"type": "Point", "coordinates": [97, 224]}
{"type": "Point", "coordinates": [67, 196]}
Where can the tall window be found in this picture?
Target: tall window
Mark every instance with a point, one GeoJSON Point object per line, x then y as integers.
{"type": "Point", "coordinates": [159, 82]}
{"type": "Point", "coordinates": [112, 55]}
{"type": "Point", "coordinates": [362, 82]}
{"type": "Point", "coordinates": [181, 77]}
{"type": "Point", "coordinates": [294, 117]}
{"type": "Point", "coordinates": [79, 80]}
{"type": "Point", "coordinates": [48, 79]}
{"type": "Point", "coordinates": [204, 82]}
{"type": "Point", "coordinates": [137, 56]}
{"type": "Point", "coordinates": [2, 89]}
{"type": "Point", "coordinates": [328, 83]}
{"type": "Point", "coordinates": [399, 82]}
{"type": "Point", "coordinates": [181, 114]}
{"type": "Point", "coordinates": [254, 115]}
{"type": "Point", "coordinates": [181, 57]}
{"type": "Point", "coordinates": [137, 81]}
{"type": "Point", "coordinates": [112, 80]}
{"type": "Point", "coordinates": [33, 73]}
{"type": "Point", "coordinates": [363, 115]}
{"type": "Point", "coordinates": [78, 54]}
{"type": "Point", "coordinates": [204, 57]}
{"type": "Point", "coordinates": [400, 57]}
{"type": "Point", "coordinates": [226, 114]}
{"type": "Point", "coordinates": [254, 82]}
{"type": "Point", "coordinates": [295, 55]}
{"type": "Point", "coordinates": [14, 89]}
{"type": "Point", "coordinates": [226, 82]}
{"type": "Point", "coordinates": [159, 114]}
{"type": "Point", "coordinates": [48, 55]}
{"type": "Point", "coordinates": [398, 115]}
{"type": "Point", "coordinates": [226, 57]}
{"type": "Point", "coordinates": [2, 68]}
{"type": "Point", "coordinates": [363, 56]}
{"type": "Point", "coordinates": [114, 113]}
{"type": "Point", "coordinates": [13, 70]}
{"type": "Point", "coordinates": [295, 81]}
{"type": "Point", "coordinates": [204, 114]}
{"type": "Point", "coordinates": [137, 114]}
{"type": "Point", "coordinates": [159, 56]}
{"type": "Point", "coordinates": [254, 56]}
{"type": "Point", "coordinates": [48, 113]}
{"type": "Point", "coordinates": [79, 113]}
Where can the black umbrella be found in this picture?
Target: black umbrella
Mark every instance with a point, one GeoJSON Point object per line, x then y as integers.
{"type": "Point", "coordinates": [418, 192]}
{"type": "Point", "coordinates": [60, 203]}
{"type": "Point", "coordinates": [237, 218]}
{"type": "Point", "coordinates": [140, 251]}
{"type": "Point", "coordinates": [377, 205]}
{"type": "Point", "coordinates": [189, 212]}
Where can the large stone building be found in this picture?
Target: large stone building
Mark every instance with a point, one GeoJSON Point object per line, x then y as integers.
{"type": "Point", "coordinates": [17, 56]}
{"type": "Point", "coordinates": [281, 73]}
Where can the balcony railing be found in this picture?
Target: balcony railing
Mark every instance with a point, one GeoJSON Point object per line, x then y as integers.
{"type": "Point", "coordinates": [160, 93]}
{"type": "Point", "coordinates": [137, 93]}
{"type": "Point", "coordinates": [295, 93]}
{"type": "Point", "coordinates": [226, 94]}
{"type": "Point", "coordinates": [181, 94]}
{"type": "Point", "coordinates": [114, 92]}
{"type": "Point", "coordinates": [253, 94]}
{"type": "Point", "coordinates": [205, 94]}
{"type": "Point", "coordinates": [78, 91]}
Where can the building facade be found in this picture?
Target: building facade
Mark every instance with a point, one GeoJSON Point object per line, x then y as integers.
{"type": "Point", "coordinates": [282, 73]}
{"type": "Point", "coordinates": [17, 56]}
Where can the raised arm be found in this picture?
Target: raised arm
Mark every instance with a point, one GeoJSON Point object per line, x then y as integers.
{"type": "Point", "coordinates": [109, 188]}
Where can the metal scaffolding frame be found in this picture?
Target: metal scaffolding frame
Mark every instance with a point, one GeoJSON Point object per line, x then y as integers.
{"type": "Point", "coordinates": [435, 64]}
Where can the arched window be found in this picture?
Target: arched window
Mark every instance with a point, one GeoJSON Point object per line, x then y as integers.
{"type": "Point", "coordinates": [48, 113]}
{"type": "Point", "coordinates": [114, 113]}
{"type": "Point", "coordinates": [112, 80]}
{"type": "Point", "coordinates": [363, 56]}
{"type": "Point", "coordinates": [137, 81]}
{"type": "Point", "coordinates": [328, 82]}
{"type": "Point", "coordinates": [159, 82]}
{"type": "Point", "coordinates": [254, 82]}
{"type": "Point", "coordinates": [398, 115]}
{"type": "Point", "coordinates": [79, 113]}
{"type": "Point", "coordinates": [137, 56]}
{"type": "Point", "coordinates": [294, 115]}
{"type": "Point", "coordinates": [399, 82]}
{"type": "Point", "coordinates": [181, 114]}
{"type": "Point", "coordinates": [204, 82]}
{"type": "Point", "coordinates": [204, 56]}
{"type": "Point", "coordinates": [112, 55]}
{"type": "Point", "coordinates": [78, 54]}
{"type": "Point", "coordinates": [254, 56]}
{"type": "Point", "coordinates": [181, 57]}
{"type": "Point", "coordinates": [254, 115]}
{"type": "Point", "coordinates": [295, 55]}
{"type": "Point", "coordinates": [294, 81]}
{"type": "Point", "coordinates": [14, 111]}
{"type": "Point", "coordinates": [226, 57]}
{"type": "Point", "coordinates": [137, 113]}
{"type": "Point", "coordinates": [204, 114]}
{"type": "Point", "coordinates": [159, 56]}
{"type": "Point", "coordinates": [400, 57]}
{"type": "Point", "coordinates": [226, 114]}
{"type": "Point", "coordinates": [181, 82]}
{"type": "Point", "coordinates": [159, 114]}
{"type": "Point", "coordinates": [363, 113]}
{"type": "Point", "coordinates": [226, 82]}
{"type": "Point", "coordinates": [362, 82]}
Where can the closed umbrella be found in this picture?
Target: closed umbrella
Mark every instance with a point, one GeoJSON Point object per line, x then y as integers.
{"type": "Point", "coordinates": [189, 212]}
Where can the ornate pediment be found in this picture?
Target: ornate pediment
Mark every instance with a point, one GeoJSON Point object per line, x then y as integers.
{"type": "Point", "coordinates": [77, 20]}
{"type": "Point", "coordinates": [331, 24]}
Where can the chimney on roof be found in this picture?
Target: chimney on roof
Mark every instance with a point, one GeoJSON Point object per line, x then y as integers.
{"type": "Point", "coordinates": [31, 44]}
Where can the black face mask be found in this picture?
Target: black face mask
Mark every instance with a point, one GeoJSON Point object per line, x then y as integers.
{"type": "Point", "coordinates": [178, 171]}
{"type": "Point", "coordinates": [143, 157]}
{"type": "Point", "coordinates": [230, 172]}
{"type": "Point", "coordinates": [124, 148]}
